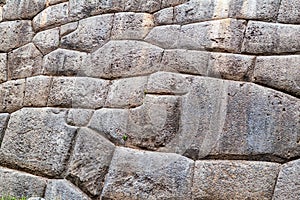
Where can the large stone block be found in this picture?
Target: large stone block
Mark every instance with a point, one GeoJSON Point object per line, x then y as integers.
{"type": "Point", "coordinates": [79, 117]}
{"type": "Point", "coordinates": [4, 117]}
{"type": "Point", "coordinates": [3, 67]}
{"type": "Point", "coordinates": [19, 184]}
{"type": "Point", "coordinates": [141, 175]}
{"type": "Point", "coordinates": [288, 182]}
{"type": "Point", "coordinates": [47, 41]}
{"type": "Point", "coordinates": [280, 72]}
{"type": "Point", "coordinates": [48, 152]}
{"type": "Point", "coordinates": [15, 34]}
{"type": "Point", "coordinates": [164, 16]}
{"type": "Point", "coordinates": [91, 33]}
{"type": "Point", "coordinates": [24, 9]}
{"type": "Point", "coordinates": [90, 161]}
{"type": "Point", "coordinates": [289, 11]}
{"type": "Point", "coordinates": [234, 180]}
{"type": "Point", "coordinates": [124, 58]}
{"type": "Point", "coordinates": [24, 62]}
{"type": "Point", "coordinates": [149, 6]}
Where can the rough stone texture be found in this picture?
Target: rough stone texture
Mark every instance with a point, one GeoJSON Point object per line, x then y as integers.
{"type": "Point", "coordinates": [124, 58]}
{"type": "Point", "coordinates": [4, 117]}
{"type": "Point", "coordinates": [47, 41]}
{"type": "Point", "coordinates": [234, 180]}
{"type": "Point", "coordinates": [15, 34]}
{"type": "Point", "coordinates": [12, 93]}
{"type": "Point", "coordinates": [79, 117]}
{"type": "Point", "coordinates": [289, 11]}
{"type": "Point", "coordinates": [19, 184]}
{"type": "Point", "coordinates": [24, 9]}
{"type": "Point", "coordinates": [280, 72]}
{"type": "Point", "coordinates": [287, 186]}
{"type": "Point", "coordinates": [78, 92]}
{"type": "Point", "coordinates": [131, 25]}
{"type": "Point", "coordinates": [91, 33]}
{"type": "Point", "coordinates": [262, 37]}
{"type": "Point", "coordinates": [37, 91]}
{"type": "Point", "coordinates": [128, 92]}
{"type": "Point", "coordinates": [1, 13]}
{"type": "Point", "coordinates": [142, 5]}
{"type": "Point", "coordinates": [137, 174]}
{"type": "Point", "coordinates": [90, 161]}
{"type": "Point", "coordinates": [68, 28]}
{"type": "Point", "coordinates": [25, 61]}
{"type": "Point", "coordinates": [3, 67]}
{"type": "Point", "coordinates": [63, 190]}
{"type": "Point", "coordinates": [164, 16]}
{"type": "Point", "coordinates": [47, 153]}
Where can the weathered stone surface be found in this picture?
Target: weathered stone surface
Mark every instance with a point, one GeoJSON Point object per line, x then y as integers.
{"type": "Point", "coordinates": [164, 16]}
{"type": "Point", "coordinates": [24, 9]}
{"type": "Point", "coordinates": [3, 67]}
{"type": "Point", "coordinates": [265, 10]}
{"type": "Point", "coordinates": [91, 33]}
{"type": "Point", "coordinates": [289, 11]}
{"type": "Point", "coordinates": [234, 180]}
{"type": "Point", "coordinates": [4, 117]}
{"type": "Point", "coordinates": [24, 62]}
{"type": "Point", "coordinates": [90, 161]}
{"type": "Point", "coordinates": [280, 72]}
{"type": "Point", "coordinates": [37, 91]}
{"type": "Point", "coordinates": [12, 93]}
{"type": "Point", "coordinates": [128, 92]}
{"type": "Point", "coordinates": [79, 117]}
{"type": "Point", "coordinates": [52, 2]}
{"type": "Point", "coordinates": [123, 59]}
{"type": "Point", "coordinates": [64, 62]}
{"type": "Point", "coordinates": [142, 5]}
{"type": "Point", "coordinates": [131, 25]}
{"type": "Point", "coordinates": [169, 3]}
{"type": "Point", "coordinates": [201, 10]}
{"type": "Point", "coordinates": [1, 13]}
{"type": "Point", "coordinates": [288, 182]}
{"type": "Point", "coordinates": [78, 92]}
{"type": "Point", "coordinates": [185, 61]}
{"type": "Point", "coordinates": [52, 16]}
{"type": "Point", "coordinates": [230, 66]}
{"type": "Point", "coordinates": [47, 41]}
{"type": "Point", "coordinates": [262, 37]}
{"type": "Point", "coordinates": [68, 28]}
{"type": "Point", "coordinates": [225, 35]}
{"type": "Point", "coordinates": [19, 184]}
{"type": "Point", "coordinates": [15, 34]}
{"type": "Point", "coordinates": [63, 190]}
{"type": "Point", "coordinates": [137, 174]}
{"type": "Point", "coordinates": [47, 153]}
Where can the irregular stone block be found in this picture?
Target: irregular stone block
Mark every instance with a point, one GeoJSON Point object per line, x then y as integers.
{"type": "Point", "coordinates": [124, 58]}
{"type": "Point", "coordinates": [62, 62]}
{"type": "Point", "coordinates": [149, 6]}
{"type": "Point", "coordinates": [3, 67]}
{"type": "Point", "coordinates": [185, 61]}
{"type": "Point", "coordinates": [262, 37]}
{"type": "Point", "coordinates": [288, 182]}
{"type": "Point", "coordinates": [4, 117]}
{"type": "Point", "coordinates": [134, 175]}
{"type": "Point", "coordinates": [164, 16]}
{"type": "Point", "coordinates": [19, 184]}
{"type": "Point", "coordinates": [234, 180]}
{"type": "Point", "coordinates": [223, 35]}
{"type": "Point", "coordinates": [201, 10]}
{"type": "Point", "coordinates": [68, 28]}
{"type": "Point", "coordinates": [91, 33]}
{"type": "Point", "coordinates": [289, 11]}
{"type": "Point", "coordinates": [265, 10]}
{"type": "Point", "coordinates": [280, 72]}
{"type": "Point", "coordinates": [15, 34]}
{"type": "Point", "coordinates": [131, 25]}
{"type": "Point", "coordinates": [78, 92]}
{"type": "Point", "coordinates": [37, 91]}
{"type": "Point", "coordinates": [24, 62]}
{"type": "Point", "coordinates": [90, 161]}
{"type": "Point", "coordinates": [48, 152]}
{"type": "Point", "coordinates": [79, 117]}
{"type": "Point", "coordinates": [24, 9]}
{"type": "Point", "coordinates": [63, 190]}
{"type": "Point", "coordinates": [128, 92]}
{"type": "Point", "coordinates": [52, 16]}
{"type": "Point", "coordinates": [169, 3]}
{"type": "Point", "coordinates": [12, 93]}
{"type": "Point", "coordinates": [230, 66]}
{"type": "Point", "coordinates": [47, 41]}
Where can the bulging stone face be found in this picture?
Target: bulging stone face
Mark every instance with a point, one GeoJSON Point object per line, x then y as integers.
{"type": "Point", "coordinates": [47, 41]}
{"type": "Point", "coordinates": [47, 153]}
{"type": "Point", "coordinates": [137, 174]}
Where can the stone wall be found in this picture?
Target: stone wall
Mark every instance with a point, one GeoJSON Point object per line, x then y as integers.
{"type": "Point", "coordinates": [150, 99]}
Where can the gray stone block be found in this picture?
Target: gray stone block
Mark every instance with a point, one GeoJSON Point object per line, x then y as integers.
{"type": "Point", "coordinates": [4, 117]}
{"type": "Point", "coordinates": [289, 12]}
{"type": "Point", "coordinates": [234, 180]}
{"type": "Point", "coordinates": [68, 28]}
{"type": "Point", "coordinates": [79, 117]}
{"type": "Point", "coordinates": [148, 6]}
{"type": "Point", "coordinates": [3, 67]}
{"type": "Point", "coordinates": [47, 41]}
{"type": "Point", "coordinates": [135, 174]}
{"type": "Point", "coordinates": [164, 16]}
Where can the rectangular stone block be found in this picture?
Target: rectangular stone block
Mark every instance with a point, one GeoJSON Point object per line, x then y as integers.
{"type": "Point", "coordinates": [289, 12]}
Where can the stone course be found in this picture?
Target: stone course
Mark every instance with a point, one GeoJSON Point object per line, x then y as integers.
{"type": "Point", "coordinates": [150, 99]}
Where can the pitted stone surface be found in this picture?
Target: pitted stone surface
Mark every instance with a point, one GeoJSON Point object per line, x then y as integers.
{"type": "Point", "coordinates": [289, 11]}
{"type": "Point", "coordinates": [47, 41]}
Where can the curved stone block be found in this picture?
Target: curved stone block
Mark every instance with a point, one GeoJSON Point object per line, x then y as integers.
{"type": "Point", "coordinates": [47, 41]}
